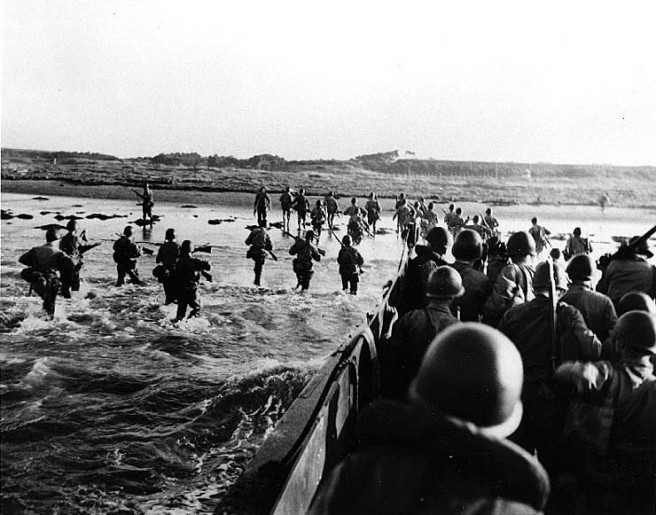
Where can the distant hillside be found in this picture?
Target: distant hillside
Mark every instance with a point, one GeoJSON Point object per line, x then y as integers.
{"type": "Point", "coordinates": [385, 173]}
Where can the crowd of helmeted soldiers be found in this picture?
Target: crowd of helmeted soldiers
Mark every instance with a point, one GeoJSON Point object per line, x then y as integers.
{"type": "Point", "coordinates": [511, 384]}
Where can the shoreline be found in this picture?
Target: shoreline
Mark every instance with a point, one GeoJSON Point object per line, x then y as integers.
{"type": "Point", "coordinates": [62, 188]}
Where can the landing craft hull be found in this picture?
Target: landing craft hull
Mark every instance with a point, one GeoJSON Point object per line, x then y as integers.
{"type": "Point", "coordinates": [318, 429]}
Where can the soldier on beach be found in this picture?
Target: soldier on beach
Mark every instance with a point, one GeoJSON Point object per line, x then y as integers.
{"type": "Point", "coordinates": [405, 215]}
{"type": "Point", "coordinates": [357, 225]}
{"type": "Point", "coordinates": [126, 254]}
{"type": "Point", "coordinates": [318, 218]}
{"type": "Point", "coordinates": [577, 245]}
{"type": "Point", "coordinates": [147, 203]}
{"type": "Point", "coordinates": [47, 268]}
{"type": "Point", "coordinates": [261, 205]}
{"type": "Point", "coordinates": [286, 203]}
{"type": "Point", "coordinates": [74, 245]}
{"type": "Point", "coordinates": [373, 212]}
{"type": "Point", "coordinates": [540, 236]}
{"type": "Point", "coordinates": [332, 208]}
{"type": "Point", "coordinates": [302, 206]}
{"type": "Point", "coordinates": [260, 247]}
{"type": "Point", "coordinates": [491, 222]}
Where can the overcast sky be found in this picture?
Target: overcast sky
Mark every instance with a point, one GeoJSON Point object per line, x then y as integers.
{"type": "Point", "coordinates": [558, 81]}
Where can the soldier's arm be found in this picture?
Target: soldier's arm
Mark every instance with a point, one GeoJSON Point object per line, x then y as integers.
{"type": "Point", "coordinates": [589, 346]}
{"type": "Point", "coordinates": [583, 377]}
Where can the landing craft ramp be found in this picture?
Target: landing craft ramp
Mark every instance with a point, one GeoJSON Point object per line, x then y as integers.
{"type": "Point", "coordinates": [318, 429]}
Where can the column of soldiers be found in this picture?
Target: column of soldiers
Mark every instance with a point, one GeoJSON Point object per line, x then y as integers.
{"type": "Point", "coordinates": [516, 387]}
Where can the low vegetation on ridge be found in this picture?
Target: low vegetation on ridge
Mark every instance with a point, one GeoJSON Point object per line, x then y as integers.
{"type": "Point", "coordinates": [387, 174]}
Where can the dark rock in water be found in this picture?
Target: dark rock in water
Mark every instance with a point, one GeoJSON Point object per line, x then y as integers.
{"type": "Point", "coordinates": [51, 226]}
{"type": "Point", "coordinates": [189, 206]}
{"type": "Point", "coordinates": [25, 216]}
{"type": "Point", "coordinates": [103, 217]}
{"type": "Point", "coordinates": [211, 222]}
{"type": "Point", "coordinates": [141, 222]}
{"type": "Point", "coordinates": [195, 216]}
{"type": "Point", "coordinates": [6, 215]}
{"type": "Point", "coordinates": [68, 217]}
{"type": "Point", "coordinates": [40, 198]}
{"type": "Point", "coordinates": [77, 205]}
{"type": "Point", "coordinates": [44, 213]}
{"type": "Point", "coordinates": [218, 221]}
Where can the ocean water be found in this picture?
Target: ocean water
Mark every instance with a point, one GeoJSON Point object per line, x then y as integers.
{"type": "Point", "coordinates": [111, 408]}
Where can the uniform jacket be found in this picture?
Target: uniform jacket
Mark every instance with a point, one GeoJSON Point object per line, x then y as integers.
{"type": "Point", "coordinates": [411, 461]}
{"type": "Point", "coordinates": [126, 251]}
{"type": "Point", "coordinates": [318, 215]}
{"type": "Point", "coordinates": [259, 239]}
{"type": "Point", "coordinates": [513, 286]}
{"type": "Point", "coordinates": [306, 253]}
{"type": "Point", "coordinates": [373, 208]}
{"type": "Point", "coordinates": [331, 205]}
{"type": "Point", "coordinates": [597, 309]}
{"type": "Point", "coordinates": [349, 261]}
{"type": "Point", "coordinates": [477, 288]}
{"type": "Point", "coordinates": [527, 325]}
{"type": "Point", "coordinates": [187, 272]}
{"type": "Point", "coordinates": [301, 204]}
{"type": "Point", "coordinates": [411, 336]}
{"type": "Point", "coordinates": [622, 479]}
{"type": "Point", "coordinates": [625, 275]}
{"type": "Point", "coordinates": [576, 246]}
{"type": "Point", "coordinates": [168, 254]}
{"type": "Point", "coordinates": [286, 201]}
{"type": "Point", "coordinates": [419, 269]}
{"type": "Point", "coordinates": [46, 259]}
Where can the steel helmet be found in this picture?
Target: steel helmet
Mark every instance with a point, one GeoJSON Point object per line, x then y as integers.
{"type": "Point", "coordinates": [541, 277]}
{"type": "Point", "coordinates": [128, 230]}
{"type": "Point", "coordinates": [444, 282]}
{"type": "Point", "coordinates": [474, 373]}
{"type": "Point", "coordinates": [636, 300]}
{"type": "Point", "coordinates": [439, 239]}
{"type": "Point", "coordinates": [468, 246]}
{"type": "Point", "coordinates": [309, 235]}
{"type": "Point", "coordinates": [637, 330]}
{"type": "Point", "coordinates": [71, 225]}
{"type": "Point", "coordinates": [187, 247]}
{"type": "Point", "coordinates": [170, 234]}
{"type": "Point", "coordinates": [580, 268]}
{"type": "Point", "coordinates": [51, 234]}
{"type": "Point", "coordinates": [346, 240]}
{"type": "Point", "coordinates": [520, 244]}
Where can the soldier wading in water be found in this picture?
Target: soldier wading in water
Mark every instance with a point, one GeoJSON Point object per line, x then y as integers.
{"type": "Point", "coordinates": [47, 268]}
{"type": "Point", "coordinates": [306, 252]}
{"type": "Point", "coordinates": [186, 278]}
{"type": "Point", "coordinates": [261, 245]}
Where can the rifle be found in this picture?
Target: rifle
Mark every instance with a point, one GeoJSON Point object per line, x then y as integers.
{"type": "Point", "coordinates": [553, 317]}
{"type": "Point", "coordinates": [625, 251]}
{"type": "Point", "coordinates": [207, 248]}
{"type": "Point", "coordinates": [296, 238]}
{"type": "Point", "coordinates": [146, 250]}
{"type": "Point", "coordinates": [86, 248]}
